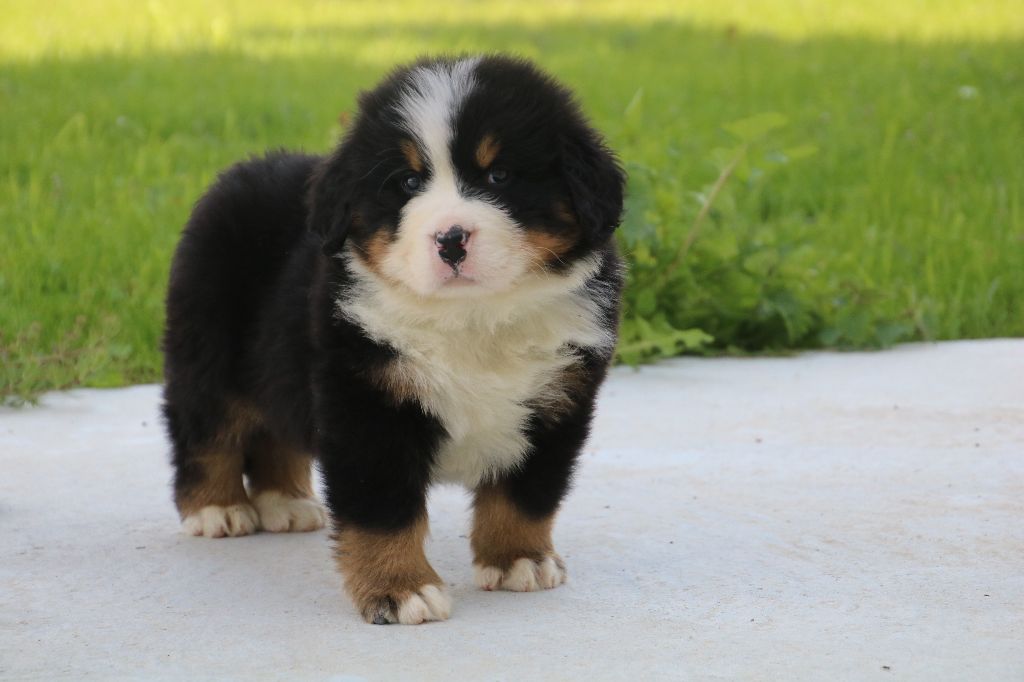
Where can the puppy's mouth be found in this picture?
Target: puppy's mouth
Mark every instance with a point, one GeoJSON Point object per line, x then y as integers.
{"type": "Point", "coordinates": [458, 279]}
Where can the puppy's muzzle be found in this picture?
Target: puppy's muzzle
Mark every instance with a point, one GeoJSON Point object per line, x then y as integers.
{"type": "Point", "coordinates": [451, 245]}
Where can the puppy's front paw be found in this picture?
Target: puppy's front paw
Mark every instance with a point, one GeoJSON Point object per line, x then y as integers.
{"type": "Point", "coordinates": [388, 575]}
{"type": "Point", "coordinates": [429, 602]}
{"type": "Point", "coordinates": [215, 521]}
{"type": "Point", "coordinates": [523, 575]}
{"type": "Point", "coordinates": [279, 513]}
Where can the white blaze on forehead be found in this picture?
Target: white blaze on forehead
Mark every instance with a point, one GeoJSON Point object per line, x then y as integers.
{"type": "Point", "coordinates": [428, 107]}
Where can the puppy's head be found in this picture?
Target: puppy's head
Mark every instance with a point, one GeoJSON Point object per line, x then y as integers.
{"type": "Point", "coordinates": [461, 177]}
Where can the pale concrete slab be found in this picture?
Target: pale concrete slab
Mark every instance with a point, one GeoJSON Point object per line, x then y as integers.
{"type": "Point", "coordinates": [828, 516]}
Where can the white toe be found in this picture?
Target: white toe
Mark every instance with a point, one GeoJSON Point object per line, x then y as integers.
{"type": "Point", "coordinates": [438, 601]}
{"type": "Point", "coordinates": [413, 610]}
{"type": "Point", "coordinates": [486, 577]}
{"type": "Point", "coordinates": [217, 522]}
{"type": "Point", "coordinates": [524, 575]}
{"type": "Point", "coordinates": [280, 513]}
{"type": "Point", "coordinates": [521, 577]}
{"type": "Point", "coordinates": [429, 603]}
{"type": "Point", "coordinates": [192, 524]}
{"type": "Point", "coordinates": [549, 574]}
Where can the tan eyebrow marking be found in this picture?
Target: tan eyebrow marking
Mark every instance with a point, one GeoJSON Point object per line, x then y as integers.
{"type": "Point", "coordinates": [487, 150]}
{"type": "Point", "coordinates": [412, 155]}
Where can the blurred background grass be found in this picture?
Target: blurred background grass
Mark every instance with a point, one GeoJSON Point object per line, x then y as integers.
{"type": "Point", "coordinates": [803, 173]}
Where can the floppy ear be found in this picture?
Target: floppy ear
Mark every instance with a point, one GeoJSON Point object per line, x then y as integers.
{"type": "Point", "coordinates": [329, 200]}
{"type": "Point", "coordinates": [596, 184]}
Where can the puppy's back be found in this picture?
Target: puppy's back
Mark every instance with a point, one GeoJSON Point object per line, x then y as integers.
{"type": "Point", "coordinates": [231, 253]}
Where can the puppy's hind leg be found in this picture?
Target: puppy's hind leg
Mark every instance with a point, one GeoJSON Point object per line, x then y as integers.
{"type": "Point", "coordinates": [208, 485]}
{"type": "Point", "coordinates": [280, 480]}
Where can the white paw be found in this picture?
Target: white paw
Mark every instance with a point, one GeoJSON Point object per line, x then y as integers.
{"type": "Point", "coordinates": [525, 575]}
{"type": "Point", "coordinates": [217, 522]}
{"type": "Point", "coordinates": [430, 603]}
{"type": "Point", "coordinates": [280, 513]}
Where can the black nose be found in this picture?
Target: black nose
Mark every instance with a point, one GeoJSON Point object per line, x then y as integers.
{"type": "Point", "coordinates": [451, 245]}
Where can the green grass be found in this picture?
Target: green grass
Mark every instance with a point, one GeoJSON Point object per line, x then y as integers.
{"type": "Point", "coordinates": [887, 207]}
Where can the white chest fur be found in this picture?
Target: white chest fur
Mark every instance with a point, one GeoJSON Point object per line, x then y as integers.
{"type": "Point", "coordinates": [478, 365]}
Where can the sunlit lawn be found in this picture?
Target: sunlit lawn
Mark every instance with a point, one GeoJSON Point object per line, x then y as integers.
{"type": "Point", "coordinates": [887, 207]}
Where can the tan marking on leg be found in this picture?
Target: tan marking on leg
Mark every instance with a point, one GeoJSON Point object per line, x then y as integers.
{"type": "Point", "coordinates": [412, 155]}
{"type": "Point", "coordinates": [221, 484]}
{"type": "Point", "coordinates": [274, 466]}
{"type": "Point", "coordinates": [487, 151]}
{"type": "Point", "coordinates": [511, 550]}
{"type": "Point", "coordinates": [502, 534]}
{"type": "Point", "coordinates": [281, 484]}
{"type": "Point", "coordinates": [383, 570]}
{"type": "Point", "coordinates": [221, 463]}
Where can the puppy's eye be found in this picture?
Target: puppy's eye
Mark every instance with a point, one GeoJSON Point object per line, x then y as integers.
{"type": "Point", "coordinates": [497, 176]}
{"type": "Point", "coordinates": [412, 183]}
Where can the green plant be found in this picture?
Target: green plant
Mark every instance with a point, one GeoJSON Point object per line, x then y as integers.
{"type": "Point", "coordinates": [724, 281]}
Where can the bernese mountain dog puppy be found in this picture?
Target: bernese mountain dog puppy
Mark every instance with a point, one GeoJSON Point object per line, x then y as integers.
{"type": "Point", "coordinates": [435, 301]}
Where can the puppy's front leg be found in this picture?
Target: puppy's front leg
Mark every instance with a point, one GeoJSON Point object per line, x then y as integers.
{"type": "Point", "coordinates": [376, 457]}
{"type": "Point", "coordinates": [513, 515]}
{"type": "Point", "coordinates": [512, 549]}
{"type": "Point", "coordinates": [380, 524]}
{"type": "Point", "coordinates": [387, 574]}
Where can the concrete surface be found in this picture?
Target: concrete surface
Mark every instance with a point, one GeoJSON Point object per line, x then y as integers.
{"type": "Point", "coordinates": [830, 516]}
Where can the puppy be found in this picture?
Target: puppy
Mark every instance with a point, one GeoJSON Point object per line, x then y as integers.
{"type": "Point", "coordinates": [435, 301]}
